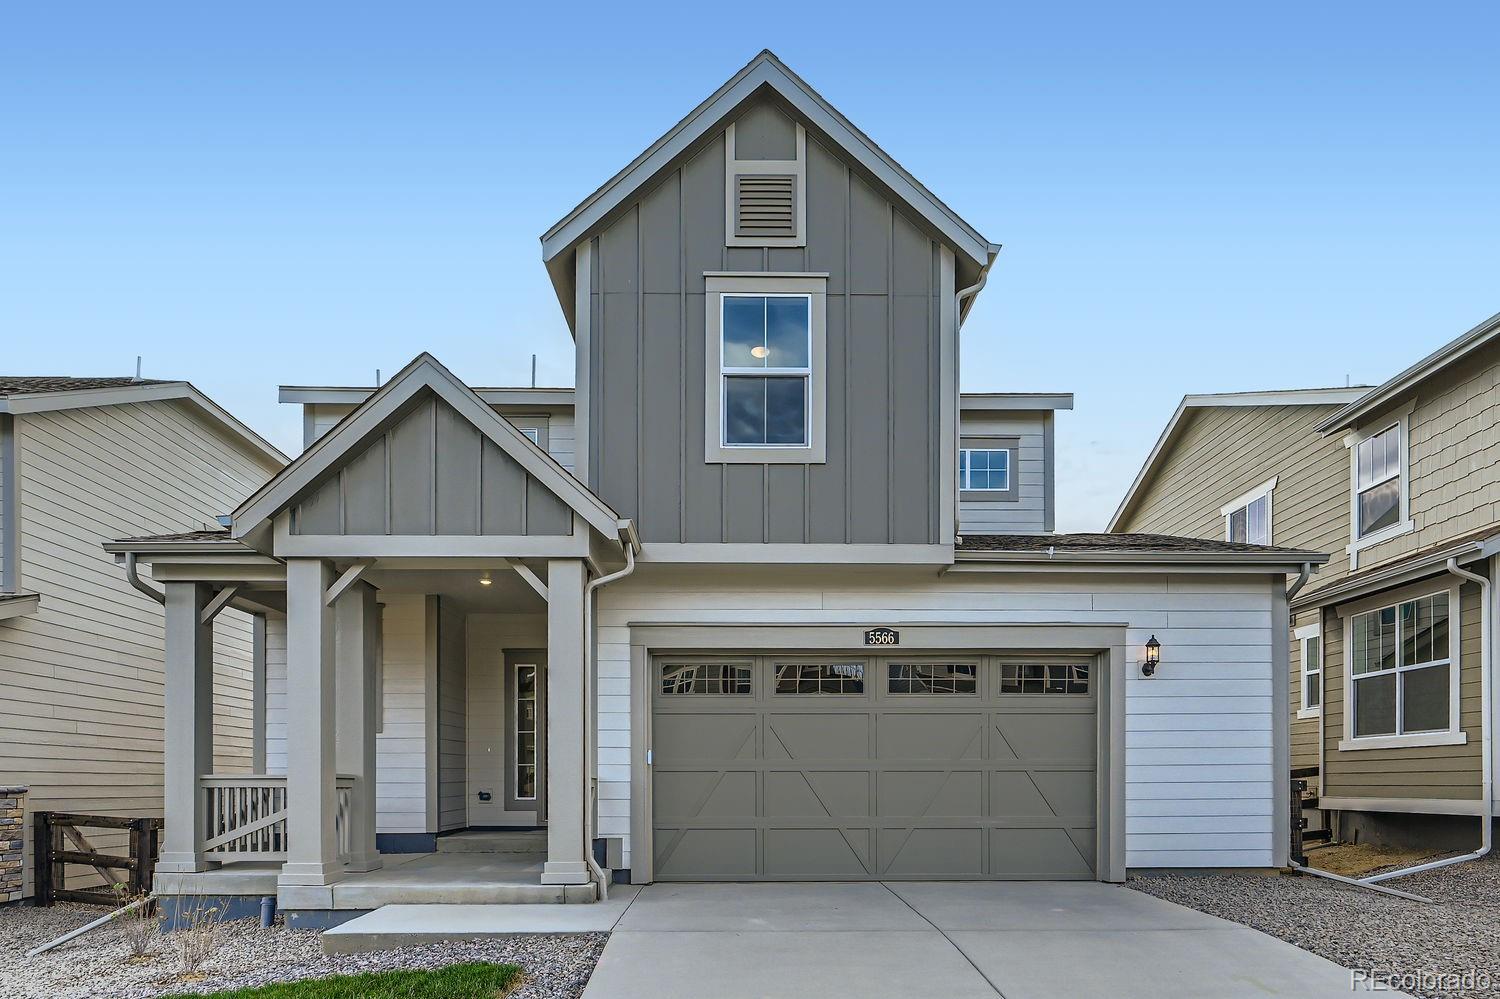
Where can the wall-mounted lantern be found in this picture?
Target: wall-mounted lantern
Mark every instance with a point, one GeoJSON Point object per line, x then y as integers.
{"type": "Point", "coordinates": [1153, 657]}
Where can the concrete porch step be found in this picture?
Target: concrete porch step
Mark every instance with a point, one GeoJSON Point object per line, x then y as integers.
{"type": "Point", "coordinates": [495, 841]}
{"type": "Point", "coordinates": [404, 925]}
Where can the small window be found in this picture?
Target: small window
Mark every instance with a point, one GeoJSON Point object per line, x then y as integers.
{"type": "Point", "coordinates": [1399, 658]}
{"type": "Point", "coordinates": [1377, 481]}
{"type": "Point", "coordinates": [705, 678]}
{"type": "Point", "coordinates": [1044, 678]}
{"type": "Point", "coordinates": [1312, 672]}
{"type": "Point", "coordinates": [820, 678]}
{"type": "Point", "coordinates": [525, 709]}
{"type": "Point", "coordinates": [1247, 519]}
{"type": "Point", "coordinates": [984, 469]}
{"type": "Point", "coordinates": [766, 353]}
{"type": "Point", "coordinates": [767, 364]}
{"type": "Point", "coordinates": [932, 678]}
{"type": "Point", "coordinates": [534, 433]}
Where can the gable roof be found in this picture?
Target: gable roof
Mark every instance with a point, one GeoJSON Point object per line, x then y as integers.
{"type": "Point", "coordinates": [1439, 360]}
{"type": "Point", "coordinates": [424, 373]}
{"type": "Point", "coordinates": [1288, 397]}
{"type": "Point", "coordinates": [51, 393]}
{"type": "Point", "coordinates": [764, 71]}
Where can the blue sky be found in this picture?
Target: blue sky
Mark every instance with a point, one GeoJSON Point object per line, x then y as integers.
{"type": "Point", "coordinates": [1192, 198]}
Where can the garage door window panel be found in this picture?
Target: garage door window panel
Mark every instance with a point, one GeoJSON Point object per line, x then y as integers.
{"type": "Point", "coordinates": [1044, 678]}
{"type": "Point", "coordinates": [846, 677]}
{"type": "Point", "coordinates": [932, 678]}
{"type": "Point", "coordinates": [706, 679]}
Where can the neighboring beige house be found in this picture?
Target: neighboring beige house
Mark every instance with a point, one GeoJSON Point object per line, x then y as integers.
{"type": "Point", "coordinates": [83, 460]}
{"type": "Point", "coordinates": [1400, 485]}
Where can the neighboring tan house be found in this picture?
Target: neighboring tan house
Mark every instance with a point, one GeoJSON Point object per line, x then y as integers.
{"type": "Point", "coordinates": [762, 599]}
{"type": "Point", "coordinates": [82, 461]}
{"type": "Point", "coordinates": [1400, 484]}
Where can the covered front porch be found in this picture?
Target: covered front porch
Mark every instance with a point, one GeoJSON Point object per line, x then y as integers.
{"type": "Point", "coordinates": [420, 580]}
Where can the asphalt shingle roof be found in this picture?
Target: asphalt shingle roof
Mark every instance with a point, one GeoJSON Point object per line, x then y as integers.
{"type": "Point", "coordinates": [1110, 543]}
{"type": "Point", "coordinates": [41, 384]}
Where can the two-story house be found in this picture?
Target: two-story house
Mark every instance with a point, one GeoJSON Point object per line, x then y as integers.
{"type": "Point", "coordinates": [82, 461]}
{"type": "Point", "coordinates": [1390, 661]}
{"type": "Point", "coordinates": [763, 598]}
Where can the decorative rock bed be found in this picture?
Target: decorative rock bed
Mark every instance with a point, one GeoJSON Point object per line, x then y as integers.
{"type": "Point", "coordinates": [557, 966]}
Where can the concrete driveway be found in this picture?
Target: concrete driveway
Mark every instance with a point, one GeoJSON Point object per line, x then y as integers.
{"type": "Point", "coordinates": [1020, 940]}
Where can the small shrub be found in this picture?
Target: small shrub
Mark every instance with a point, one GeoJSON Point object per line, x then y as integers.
{"type": "Point", "coordinates": [139, 924]}
{"type": "Point", "coordinates": [201, 933]}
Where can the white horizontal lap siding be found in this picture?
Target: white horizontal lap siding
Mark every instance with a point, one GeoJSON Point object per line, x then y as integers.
{"type": "Point", "coordinates": [81, 679]}
{"type": "Point", "coordinates": [401, 746]}
{"type": "Point", "coordinates": [562, 442]}
{"type": "Point", "coordinates": [1199, 772]}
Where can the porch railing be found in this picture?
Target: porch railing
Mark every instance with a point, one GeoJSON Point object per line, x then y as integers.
{"type": "Point", "coordinates": [247, 813]}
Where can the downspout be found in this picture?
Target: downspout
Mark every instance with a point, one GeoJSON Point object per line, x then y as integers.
{"type": "Point", "coordinates": [589, 736]}
{"type": "Point", "coordinates": [958, 321]}
{"type": "Point", "coordinates": [1486, 791]}
{"type": "Point", "coordinates": [135, 580]}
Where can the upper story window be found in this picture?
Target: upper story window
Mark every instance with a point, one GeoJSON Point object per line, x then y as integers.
{"type": "Point", "coordinates": [766, 366]}
{"type": "Point", "coordinates": [987, 468]}
{"type": "Point", "coordinates": [1247, 518]}
{"type": "Point", "coordinates": [1377, 483]}
{"type": "Point", "coordinates": [766, 344]}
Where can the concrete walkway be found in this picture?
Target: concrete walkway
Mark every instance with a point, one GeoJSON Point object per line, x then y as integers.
{"type": "Point", "coordinates": [1027, 940]}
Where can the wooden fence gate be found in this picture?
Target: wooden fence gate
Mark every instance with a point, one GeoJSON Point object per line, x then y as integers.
{"type": "Point", "coordinates": [60, 841]}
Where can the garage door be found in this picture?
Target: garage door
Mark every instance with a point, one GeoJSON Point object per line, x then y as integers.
{"type": "Point", "coordinates": [803, 768]}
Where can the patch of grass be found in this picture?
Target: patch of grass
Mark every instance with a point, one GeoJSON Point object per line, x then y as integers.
{"type": "Point", "coordinates": [476, 980]}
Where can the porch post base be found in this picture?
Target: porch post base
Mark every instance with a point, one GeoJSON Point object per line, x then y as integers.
{"type": "Point", "coordinates": [184, 863]}
{"type": "Point", "coordinates": [565, 872]}
{"type": "Point", "coordinates": [309, 874]}
{"type": "Point", "coordinates": [364, 863]}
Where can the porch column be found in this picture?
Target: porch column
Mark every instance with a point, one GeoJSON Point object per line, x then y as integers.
{"type": "Point", "coordinates": [188, 704]}
{"type": "Point", "coordinates": [567, 776]}
{"type": "Point", "coordinates": [312, 844]}
{"type": "Point", "coordinates": [357, 619]}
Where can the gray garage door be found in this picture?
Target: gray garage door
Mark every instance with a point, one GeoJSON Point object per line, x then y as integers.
{"type": "Point", "coordinates": [802, 768]}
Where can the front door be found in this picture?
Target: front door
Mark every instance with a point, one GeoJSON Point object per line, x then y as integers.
{"type": "Point", "coordinates": [526, 733]}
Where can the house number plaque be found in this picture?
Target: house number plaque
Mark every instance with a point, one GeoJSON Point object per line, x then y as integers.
{"type": "Point", "coordinates": [882, 636]}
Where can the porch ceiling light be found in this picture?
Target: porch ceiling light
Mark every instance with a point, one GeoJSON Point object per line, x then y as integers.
{"type": "Point", "coordinates": [1153, 657]}
{"type": "Point", "coordinates": [485, 580]}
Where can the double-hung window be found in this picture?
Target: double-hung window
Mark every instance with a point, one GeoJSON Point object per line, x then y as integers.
{"type": "Point", "coordinates": [1310, 644]}
{"type": "Point", "coordinates": [766, 366]}
{"type": "Point", "coordinates": [1401, 668]}
{"type": "Point", "coordinates": [1377, 481]}
{"type": "Point", "coordinates": [765, 350]}
{"type": "Point", "coordinates": [1247, 518]}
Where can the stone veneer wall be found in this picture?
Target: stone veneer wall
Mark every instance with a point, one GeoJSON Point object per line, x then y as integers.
{"type": "Point", "coordinates": [12, 842]}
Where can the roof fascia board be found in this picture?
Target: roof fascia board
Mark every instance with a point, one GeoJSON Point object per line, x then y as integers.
{"type": "Point", "coordinates": [764, 70]}
{"type": "Point", "coordinates": [1009, 402]}
{"type": "Point", "coordinates": [1257, 559]}
{"type": "Point", "coordinates": [18, 605]}
{"type": "Point", "coordinates": [1405, 571]}
{"type": "Point", "coordinates": [425, 371]}
{"type": "Point", "coordinates": [1292, 397]}
{"type": "Point", "coordinates": [1456, 350]}
{"type": "Point", "coordinates": [123, 395]}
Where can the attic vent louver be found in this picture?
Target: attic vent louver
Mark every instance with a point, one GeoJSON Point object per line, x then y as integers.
{"type": "Point", "coordinates": [765, 205]}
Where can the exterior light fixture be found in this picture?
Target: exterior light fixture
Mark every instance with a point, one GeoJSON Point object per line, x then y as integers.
{"type": "Point", "coordinates": [1153, 657]}
{"type": "Point", "coordinates": [485, 580]}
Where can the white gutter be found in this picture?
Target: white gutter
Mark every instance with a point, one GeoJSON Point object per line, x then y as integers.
{"type": "Point", "coordinates": [1487, 791]}
{"type": "Point", "coordinates": [590, 717]}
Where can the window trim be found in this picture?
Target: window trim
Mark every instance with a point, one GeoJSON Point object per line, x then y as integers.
{"type": "Point", "coordinates": [1303, 635]}
{"type": "Point", "coordinates": [982, 442]}
{"type": "Point", "coordinates": [1454, 734]}
{"type": "Point", "coordinates": [1265, 490]}
{"type": "Point", "coordinates": [716, 286]}
{"type": "Point", "coordinates": [1404, 523]}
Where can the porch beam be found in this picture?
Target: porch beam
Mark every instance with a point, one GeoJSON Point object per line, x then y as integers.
{"type": "Point", "coordinates": [219, 602]}
{"type": "Point", "coordinates": [532, 579]}
{"type": "Point", "coordinates": [349, 578]}
{"type": "Point", "coordinates": [188, 708]}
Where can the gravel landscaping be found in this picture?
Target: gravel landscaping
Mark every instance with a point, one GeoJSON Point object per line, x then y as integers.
{"type": "Point", "coordinates": [1363, 929]}
{"type": "Point", "coordinates": [556, 966]}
